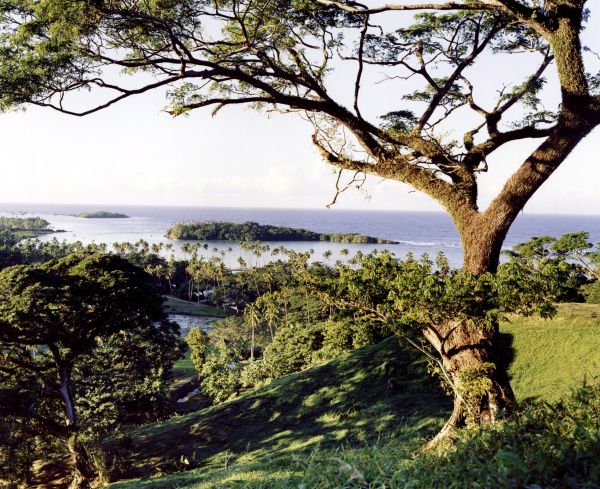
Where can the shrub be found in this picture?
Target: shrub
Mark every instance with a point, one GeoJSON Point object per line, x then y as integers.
{"type": "Point", "coordinates": [591, 292]}
{"type": "Point", "coordinates": [220, 379]}
{"type": "Point", "coordinates": [198, 343]}
{"type": "Point", "coordinates": [299, 346]}
{"type": "Point", "coordinates": [292, 350]}
{"type": "Point", "coordinates": [345, 335]}
{"type": "Point", "coordinates": [547, 445]}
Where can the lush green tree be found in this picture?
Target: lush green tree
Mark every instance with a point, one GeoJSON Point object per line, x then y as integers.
{"type": "Point", "coordinates": [198, 343]}
{"type": "Point", "coordinates": [437, 136]}
{"type": "Point", "coordinates": [414, 297]}
{"type": "Point", "coordinates": [569, 262]}
{"type": "Point", "coordinates": [220, 376]}
{"type": "Point", "coordinates": [298, 346]}
{"type": "Point", "coordinates": [85, 314]}
{"type": "Point", "coordinates": [292, 349]}
{"type": "Point", "coordinates": [127, 377]}
{"type": "Point", "coordinates": [578, 248]}
{"type": "Point", "coordinates": [9, 253]}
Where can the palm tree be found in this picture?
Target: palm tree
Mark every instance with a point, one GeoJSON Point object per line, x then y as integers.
{"type": "Point", "coordinates": [251, 319]}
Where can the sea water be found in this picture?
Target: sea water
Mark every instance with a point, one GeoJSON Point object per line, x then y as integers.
{"type": "Point", "coordinates": [416, 232]}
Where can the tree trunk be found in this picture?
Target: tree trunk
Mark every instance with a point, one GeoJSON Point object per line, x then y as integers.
{"type": "Point", "coordinates": [482, 236]}
{"type": "Point", "coordinates": [83, 468]}
{"type": "Point", "coordinates": [471, 363]}
{"type": "Point", "coordinates": [470, 356]}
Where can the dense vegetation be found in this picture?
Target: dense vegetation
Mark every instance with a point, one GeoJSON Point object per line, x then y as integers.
{"type": "Point", "coordinates": [84, 348]}
{"type": "Point", "coordinates": [102, 215]}
{"type": "Point", "coordinates": [369, 412]}
{"type": "Point", "coordinates": [291, 314]}
{"type": "Point", "coordinates": [23, 223]}
{"type": "Point", "coordinates": [443, 123]}
{"type": "Point", "coordinates": [252, 231]}
{"type": "Point", "coordinates": [17, 228]}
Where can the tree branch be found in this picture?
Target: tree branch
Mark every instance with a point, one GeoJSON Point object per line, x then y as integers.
{"type": "Point", "coordinates": [357, 8]}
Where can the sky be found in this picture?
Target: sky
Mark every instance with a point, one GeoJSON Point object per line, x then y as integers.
{"type": "Point", "coordinates": [135, 153]}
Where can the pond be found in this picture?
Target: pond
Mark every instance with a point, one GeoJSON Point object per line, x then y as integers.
{"type": "Point", "coordinates": [188, 321]}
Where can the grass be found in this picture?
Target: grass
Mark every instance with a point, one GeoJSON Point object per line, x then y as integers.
{"type": "Point", "coordinates": [352, 400]}
{"type": "Point", "coordinates": [184, 366]}
{"type": "Point", "coordinates": [173, 305]}
{"type": "Point", "coordinates": [331, 425]}
{"type": "Point", "coordinates": [553, 356]}
{"type": "Point", "coordinates": [184, 375]}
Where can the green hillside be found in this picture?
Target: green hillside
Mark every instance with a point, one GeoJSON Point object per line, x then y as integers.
{"type": "Point", "coordinates": [554, 356]}
{"type": "Point", "coordinates": [355, 399]}
{"type": "Point", "coordinates": [379, 397]}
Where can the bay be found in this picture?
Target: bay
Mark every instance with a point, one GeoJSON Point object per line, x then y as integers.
{"type": "Point", "coordinates": [417, 232]}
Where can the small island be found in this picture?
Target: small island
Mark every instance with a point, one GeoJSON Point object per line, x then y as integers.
{"type": "Point", "coordinates": [102, 215]}
{"type": "Point", "coordinates": [252, 231]}
{"type": "Point", "coordinates": [26, 227]}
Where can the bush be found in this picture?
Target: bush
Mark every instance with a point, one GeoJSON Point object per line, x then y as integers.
{"type": "Point", "coordinates": [591, 292]}
{"type": "Point", "coordinates": [292, 350]}
{"type": "Point", "coordinates": [220, 378]}
{"type": "Point", "coordinates": [198, 343]}
{"type": "Point", "coordinates": [546, 445]}
{"type": "Point", "coordinates": [299, 346]}
{"type": "Point", "coordinates": [16, 452]}
{"type": "Point", "coordinates": [345, 335]}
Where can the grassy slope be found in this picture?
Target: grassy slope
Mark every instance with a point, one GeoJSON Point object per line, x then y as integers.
{"type": "Point", "coordinates": [184, 366]}
{"type": "Point", "coordinates": [265, 438]}
{"type": "Point", "coordinates": [554, 356]}
{"type": "Point", "coordinates": [259, 435]}
{"type": "Point", "coordinates": [173, 305]}
{"type": "Point", "coordinates": [184, 374]}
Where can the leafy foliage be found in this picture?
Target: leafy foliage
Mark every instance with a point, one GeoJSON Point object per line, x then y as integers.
{"type": "Point", "coordinates": [568, 263]}
{"type": "Point", "coordinates": [252, 231]}
{"type": "Point", "coordinates": [324, 312]}
{"type": "Point", "coordinates": [220, 379]}
{"type": "Point", "coordinates": [279, 53]}
{"type": "Point", "coordinates": [547, 446]}
{"type": "Point", "coordinates": [23, 223]}
{"type": "Point", "coordinates": [197, 341]}
{"type": "Point", "coordinates": [80, 348]}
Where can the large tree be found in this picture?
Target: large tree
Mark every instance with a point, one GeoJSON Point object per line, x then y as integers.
{"type": "Point", "coordinates": [81, 346]}
{"type": "Point", "coordinates": [443, 123]}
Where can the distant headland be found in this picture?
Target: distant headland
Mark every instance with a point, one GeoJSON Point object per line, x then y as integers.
{"type": "Point", "coordinates": [102, 215]}
{"type": "Point", "coordinates": [252, 231]}
{"type": "Point", "coordinates": [26, 227]}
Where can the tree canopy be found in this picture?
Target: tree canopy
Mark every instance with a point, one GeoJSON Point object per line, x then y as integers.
{"type": "Point", "coordinates": [437, 132]}
{"type": "Point", "coordinates": [78, 340]}
{"type": "Point", "coordinates": [442, 123]}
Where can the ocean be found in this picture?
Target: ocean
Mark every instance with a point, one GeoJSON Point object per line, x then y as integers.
{"type": "Point", "coordinates": [417, 232]}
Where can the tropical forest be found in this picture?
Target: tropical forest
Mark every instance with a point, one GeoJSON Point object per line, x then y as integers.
{"type": "Point", "coordinates": [328, 244]}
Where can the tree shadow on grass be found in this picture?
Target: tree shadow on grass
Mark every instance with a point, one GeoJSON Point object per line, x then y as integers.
{"type": "Point", "coordinates": [379, 390]}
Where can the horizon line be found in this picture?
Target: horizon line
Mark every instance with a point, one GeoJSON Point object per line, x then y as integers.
{"type": "Point", "coordinates": [323, 208]}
